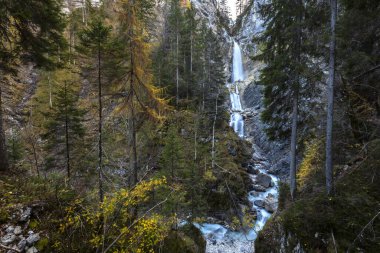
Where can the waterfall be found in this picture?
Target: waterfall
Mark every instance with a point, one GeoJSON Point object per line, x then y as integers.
{"type": "Point", "coordinates": [237, 64]}
{"type": "Point", "coordinates": [237, 121]}
{"type": "Point", "coordinates": [222, 239]}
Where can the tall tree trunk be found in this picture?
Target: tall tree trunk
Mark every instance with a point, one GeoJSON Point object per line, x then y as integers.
{"type": "Point", "coordinates": [293, 147]}
{"type": "Point", "coordinates": [293, 141]}
{"type": "Point", "coordinates": [100, 129]}
{"type": "Point", "coordinates": [67, 136]}
{"type": "Point", "coordinates": [330, 99]}
{"type": "Point", "coordinates": [177, 66]}
{"type": "Point", "coordinates": [50, 92]}
{"type": "Point", "coordinates": [133, 123]}
{"type": "Point", "coordinates": [213, 132]}
{"type": "Point", "coordinates": [3, 148]}
{"type": "Point", "coordinates": [134, 146]}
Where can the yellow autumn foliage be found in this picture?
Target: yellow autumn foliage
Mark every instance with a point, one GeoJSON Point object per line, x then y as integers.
{"type": "Point", "coordinates": [310, 163]}
{"type": "Point", "coordinates": [124, 231]}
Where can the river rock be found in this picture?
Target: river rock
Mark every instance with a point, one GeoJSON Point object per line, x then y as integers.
{"type": "Point", "coordinates": [8, 239]}
{"type": "Point", "coordinates": [258, 188]}
{"type": "Point", "coordinates": [26, 214]}
{"type": "Point", "coordinates": [33, 238]}
{"type": "Point", "coordinates": [263, 180]}
{"type": "Point", "coordinates": [270, 204]}
{"type": "Point", "coordinates": [259, 203]}
{"type": "Point", "coordinates": [252, 170]}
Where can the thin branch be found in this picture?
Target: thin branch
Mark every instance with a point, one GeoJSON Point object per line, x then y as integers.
{"type": "Point", "coordinates": [333, 237]}
{"type": "Point", "coordinates": [134, 223]}
{"type": "Point", "coordinates": [367, 72]}
{"type": "Point", "coordinates": [362, 231]}
{"type": "Point", "coordinates": [9, 248]}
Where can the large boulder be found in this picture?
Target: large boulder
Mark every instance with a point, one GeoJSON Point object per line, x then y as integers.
{"type": "Point", "coordinates": [252, 170]}
{"type": "Point", "coordinates": [263, 180]}
{"type": "Point", "coordinates": [258, 188]}
{"type": "Point", "coordinates": [259, 203]}
{"type": "Point", "coordinates": [270, 203]}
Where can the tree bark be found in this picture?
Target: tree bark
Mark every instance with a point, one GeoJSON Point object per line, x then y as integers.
{"type": "Point", "coordinates": [330, 102]}
{"type": "Point", "coordinates": [213, 132]}
{"type": "Point", "coordinates": [293, 147]}
{"type": "Point", "coordinates": [293, 141]}
{"type": "Point", "coordinates": [100, 129]}
{"type": "Point", "coordinates": [177, 66]}
{"type": "Point", "coordinates": [67, 136]}
{"type": "Point", "coordinates": [4, 165]}
{"type": "Point", "coordinates": [134, 145]}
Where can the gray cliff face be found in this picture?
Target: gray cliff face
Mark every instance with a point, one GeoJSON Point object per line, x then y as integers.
{"type": "Point", "coordinates": [252, 98]}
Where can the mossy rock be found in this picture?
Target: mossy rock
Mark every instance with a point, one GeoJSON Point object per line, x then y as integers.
{"type": "Point", "coordinates": [186, 240]}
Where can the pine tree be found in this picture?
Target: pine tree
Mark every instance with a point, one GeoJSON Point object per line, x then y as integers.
{"type": "Point", "coordinates": [175, 20]}
{"type": "Point", "coordinates": [291, 77]}
{"type": "Point", "coordinates": [215, 75]}
{"type": "Point", "coordinates": [64, 130]}
{"type": "Point", "coordinates": [95, 45]}
{"type": "Point", "coordinates": [359, 64]}
{"type": "Point", "coordinates": [172, 158]}
{"type": "Point", "coordinates": [30, 31]}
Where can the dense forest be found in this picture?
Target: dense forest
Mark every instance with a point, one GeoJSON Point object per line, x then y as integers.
{"type": "Point", "coordinates": [197, 126]}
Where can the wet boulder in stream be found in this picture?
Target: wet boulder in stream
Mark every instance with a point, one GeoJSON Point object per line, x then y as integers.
{"type": "Point", "coordinates": [270, 203]}
{"type": "Point", "coordinates": [263, 180]}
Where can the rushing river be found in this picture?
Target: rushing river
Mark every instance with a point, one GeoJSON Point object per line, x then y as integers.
{"type": "Point", "coordinates": [264, 200]}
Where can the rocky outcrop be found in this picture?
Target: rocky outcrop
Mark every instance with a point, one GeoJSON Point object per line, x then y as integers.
{"type": "Point", "coordinates": [17, 236]}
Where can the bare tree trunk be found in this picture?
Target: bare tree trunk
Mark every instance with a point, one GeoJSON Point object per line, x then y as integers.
{"type": "Point", "coordinates": [100, 129]}
{"type": "Point", "coordinates": [177, 65]}
{"type": "Point", "coordinates": [34, 149]}
{"type": "Point", "coordinates": [67, 137]}
{"type": "Point", "coordinates": [134, 143]}
{"type": "Point", "coordinates": [213, 133]}
{"type": "Point", "coordinates": [50, 92]}
{"type": "Point", "coordinates": [330, 103]}
{"type": "Point", "coordinates": [293, 147]}
{"type": "Point", "coordinates": [293, 142]}
{"type": "Point", "coordinates": [3, 148]}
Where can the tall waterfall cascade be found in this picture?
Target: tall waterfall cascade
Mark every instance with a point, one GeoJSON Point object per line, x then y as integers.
{"type": "Point", "coordinates": [237, 121]}
{"type": "Point", "coordinates": [219, 238]}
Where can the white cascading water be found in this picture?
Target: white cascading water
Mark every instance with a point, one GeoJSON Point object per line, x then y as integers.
{"type": "Point", "coordinates": [219, 238]}
{"type": "Point", "coordinates": [236, 122]}
{"type": "Point", "coordinates": [238, 69]}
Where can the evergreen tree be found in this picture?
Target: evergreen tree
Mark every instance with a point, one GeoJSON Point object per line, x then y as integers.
{"type": "Point", "coordinates": [215, 75]}
{"type": "Point", "coordinates": [95, 45]}
{"type": "Point", "coordinates": [64, 130]}
{"type": "Point", "coordinates": [31, 30]}
{"type": "Point", "coordinates": [172, 158]}
{"type": "Point", "coordinates": [358, 61]}
{"type": "Point", "coordinates": [175, 21]}
{"type": "Point", "coordinates": [291, 77]}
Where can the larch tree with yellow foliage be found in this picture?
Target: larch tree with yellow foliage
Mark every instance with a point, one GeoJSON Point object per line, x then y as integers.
{"type": "Point", "coordinates": [137, 94]}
